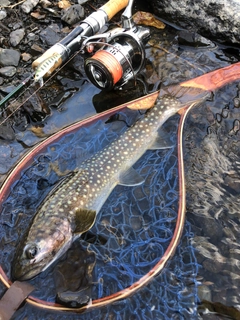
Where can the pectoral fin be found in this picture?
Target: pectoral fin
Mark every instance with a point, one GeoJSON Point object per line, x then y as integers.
{"type": "Point", "coordinates": [84, 220]}
{"type": "Point", "coordinates": [130, 178]}
{"type": "Point", "coordinates": [162, 141]}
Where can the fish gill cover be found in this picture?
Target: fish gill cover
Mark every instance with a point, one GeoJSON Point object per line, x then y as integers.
{"type": "Point", "coordinates": [131, 233]}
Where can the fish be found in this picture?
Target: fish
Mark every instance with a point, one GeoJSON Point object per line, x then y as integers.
{"type": "Point", "coordinates": [71, 208]}
{"type": "Point", "coordinates": [45, 67]}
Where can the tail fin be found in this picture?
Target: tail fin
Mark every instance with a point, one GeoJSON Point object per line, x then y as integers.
{"type": "Point", "coordinates": [186, 95]}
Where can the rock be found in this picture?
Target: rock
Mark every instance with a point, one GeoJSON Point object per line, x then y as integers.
{"type": "Point", "coordinates": [194, 39]}
{"type": "Point", "coordinates": [8, 71]}
{"type": "Point", "coordinates": [45, 3]}
{"type": "Point", "coordinates": [6, 90]}
{"type": "Point", "coordinates": [3, 14]}
{"type": "Point", "coordinates": [73, 14]}
{"type": "Point", "coordinates": [36, 49]}
{"type": "Point", "coordinates": [50, 35]}
{"type": "Point", "coordinates": [220, 18]}
{"type": "Point", "coordinates": [82, 1]}
{"type": "Point", "coordinates": [26, 56]}
{"type": "Point", "coordinates": [16, 36]}
{"type": "Point", "coordinates": [204, 293]}
{"type": "Point", "coordinates": [9, 57]}
{"type": "Point", "coordinates": [28, 5]}
{"type": "Point", "coordinates": [5, 3]}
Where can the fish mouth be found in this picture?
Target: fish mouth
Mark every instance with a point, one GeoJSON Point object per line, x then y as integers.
{"type": "Point", "coordinates": [22, 275]}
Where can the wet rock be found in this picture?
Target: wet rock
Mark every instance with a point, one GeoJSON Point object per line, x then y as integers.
{"type": "Point", "coordinates": [6, 132]}
{"type": "Point", "coordinates": [204, 293]}
{"type": "Point", "coordinates": [8, 71]}
{"type": "Point", "coordinates": [217, 18]}
{"type": "Point", "coordinates": [188, 38]}
{"type": "Point", "coordinates": [9, 57]}
{"type": "Point", "coordinates": [5, 154]}
{"type": "Point", "coordinates": [50, 35]}
{"type": "Point", "coordinates": [73, 299]}
{"type": "Point", "coordinates": [3, 14]}
{"type": "Point", "coordinates": [73, 14]}
{"type": "Point", "coordinates": [236, 102]}
{"type": "Point", "coordinates": [213, 266]}
{"type": "Point", "coordinates": [28, 5]}
{"type": "Point", "coordinates": [16, 37]}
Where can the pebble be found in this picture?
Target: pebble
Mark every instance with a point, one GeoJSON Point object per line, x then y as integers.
{"type": "Point", "coordinates": [26, 56]}
{"type": "Point", "coordinates": [16, 37]}
{"type": "Point", "coordinates": [36, 49]}
{"type": "Point", "coordinates": [8, 71]}
{"type": "Point", "coordinates": [204, 293]}
{"type": "Point", "coordinates": [3, 14]}
{"type": "Point", "coordinates": [28, 5]}
{"type": "Point", "coordinates": [236, 102]}
{"type": "Point", "coordinates": [5, 3]}
{"type": "Point", "coordinates": [45, 3]}
{"type": "Point", "coordinates": [9, 57]}
{"type": "Point", "coordinates": [50, 35]}
{"type": "Point", "coordinates": [32, 36]}
{"type": "Point", "coordinates": [73, 14]}
{"type": "Point", "coordinates": [82, 1]}
{"type": "Point", "coordinates": [7, 89]}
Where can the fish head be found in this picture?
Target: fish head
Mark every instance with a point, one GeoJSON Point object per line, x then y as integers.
{"type": "Point", "coordinates": [40, 247]}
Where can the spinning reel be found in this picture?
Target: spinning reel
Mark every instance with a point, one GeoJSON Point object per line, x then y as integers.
{"type": "Point", "coordinates": [121, 54]}
{"type": "Point", "coordinates": [112, 58]}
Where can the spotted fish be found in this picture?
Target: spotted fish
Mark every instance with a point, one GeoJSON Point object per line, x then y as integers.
{"type": "Point", "coordinates": [72, 208]}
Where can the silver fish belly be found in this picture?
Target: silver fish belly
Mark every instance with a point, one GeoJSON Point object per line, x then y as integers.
{"type": "Point", "coordinates": [72, 209]}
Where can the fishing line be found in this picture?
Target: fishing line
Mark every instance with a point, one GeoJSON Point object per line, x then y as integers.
{"type": "Point", "coordinates": [36, 91]}
{"type": "Point", "coordinates": [53, 75]}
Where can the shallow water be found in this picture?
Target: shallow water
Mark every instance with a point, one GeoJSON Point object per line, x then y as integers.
{"type": "Point", "coordinates": [135, 224]}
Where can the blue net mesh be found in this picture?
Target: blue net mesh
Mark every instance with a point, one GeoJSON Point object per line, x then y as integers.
{"type": "Point", "coordinates": [131, 233]}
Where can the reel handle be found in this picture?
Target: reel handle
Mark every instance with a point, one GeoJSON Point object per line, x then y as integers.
{"type": "Point", "coordinates": [94, 22]}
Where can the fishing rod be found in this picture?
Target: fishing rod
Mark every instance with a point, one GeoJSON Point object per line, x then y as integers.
{"type": "Point", "coordinates": [112, 58]}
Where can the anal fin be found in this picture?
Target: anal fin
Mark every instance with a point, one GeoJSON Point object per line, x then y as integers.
{"type": "Point", "coordinates": [162, 141]}
{"type": "Point", "coordinates": [130, 178]}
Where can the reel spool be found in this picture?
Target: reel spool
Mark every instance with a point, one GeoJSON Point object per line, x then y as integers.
{"type": "Point", "coordinates": [119, 60]}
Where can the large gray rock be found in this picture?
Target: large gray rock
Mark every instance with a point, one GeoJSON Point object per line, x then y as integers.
{"type": "Point", "coordinates": [219, 19]}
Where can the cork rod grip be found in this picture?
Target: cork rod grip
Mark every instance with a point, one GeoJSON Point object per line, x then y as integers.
{"type": "Point", "coordinates": [114, 6]}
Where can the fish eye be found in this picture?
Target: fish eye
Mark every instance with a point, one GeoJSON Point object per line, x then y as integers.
{"type": "Point", "coordinates": [30, 251]}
